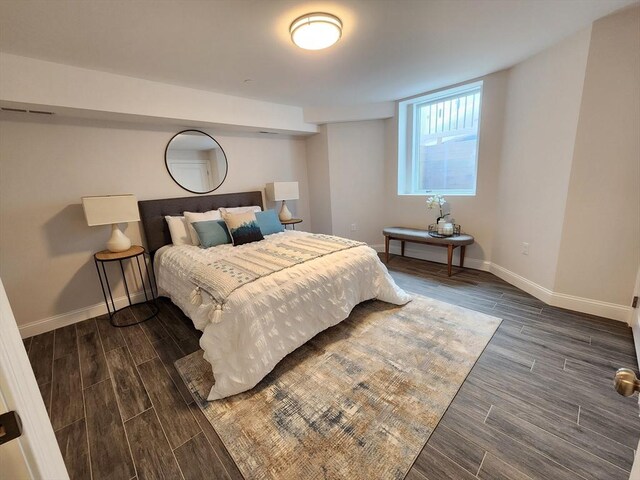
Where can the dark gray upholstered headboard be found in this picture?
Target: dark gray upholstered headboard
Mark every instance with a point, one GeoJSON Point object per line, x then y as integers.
{"type": "Point", "coordinates": [152, 212]}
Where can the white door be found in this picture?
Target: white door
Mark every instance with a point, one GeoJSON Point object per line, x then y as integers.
{"type": "Point", "coordinates": [35, 454]}
{"type": "Point", "coordinates": [635, 317]}
{"type": "Point", "coordinates": [13, 464]}
{"type": "Point", "coordinates": [635, 327]}
{"type": "Point", "coordinates": [193, 175]}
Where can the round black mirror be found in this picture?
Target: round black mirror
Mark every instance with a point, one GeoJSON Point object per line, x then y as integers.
{"type": "Point", "coordinates": [196, 161]}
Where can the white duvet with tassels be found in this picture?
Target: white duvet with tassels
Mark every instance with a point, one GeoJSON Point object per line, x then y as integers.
{"type": "Point", "coordinates": [265, 320]}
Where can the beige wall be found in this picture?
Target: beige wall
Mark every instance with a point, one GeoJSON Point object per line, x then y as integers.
{"type": "Point", "coordinates": [356, 159]}
{"type": "Point", "coordinates": [476, 213]}
{"type": "Point", "coordinates": [319, 189]}
{"type": "Point", "coordinates": [45, 245]}
{"type": "Point", "coordinates": [346, 179]}
{"type": "Point", "coordinates": [600, 249]}
{"type": "Point", "coordinates": [543, 101]}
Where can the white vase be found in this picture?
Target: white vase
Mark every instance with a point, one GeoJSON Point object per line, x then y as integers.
{"type": "Point", "coordinates": [118, 242]}
{"type": "Point", "coordinates": [441, 223]}
{"type": "Point", "coordinates": [285, 214]}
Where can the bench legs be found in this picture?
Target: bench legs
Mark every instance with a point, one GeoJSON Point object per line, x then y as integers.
{"type": "Point", "coordinates": [450, 249]}
{"type": "Point", "coordinates": [449, 258]}
{"type": "Point", "coordinates": [386, 249]}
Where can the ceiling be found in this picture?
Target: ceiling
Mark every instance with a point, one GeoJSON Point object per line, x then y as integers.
{"type": "Point", "coordinates": [390, 49]}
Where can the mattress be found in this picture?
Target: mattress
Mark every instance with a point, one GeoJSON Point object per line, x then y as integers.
{"type": "Point", "coordinates": [267, 319]}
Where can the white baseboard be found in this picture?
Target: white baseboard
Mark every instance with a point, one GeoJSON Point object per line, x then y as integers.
{"type": "Point", "coordinates": [75, 316]}
{"type": "Point", "coordinates": [434, 254]}
{"type": "Point", "coordinates": [563, 300]}
{"type": "Point", "coordinates": [613, 311]}
{"type": "Point", "coordinates": [594, 307]}
{"type": "Point", "coordinates": [532, 288]}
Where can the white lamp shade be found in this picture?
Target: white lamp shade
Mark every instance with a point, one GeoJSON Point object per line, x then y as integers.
{"type": "Point", "coordinates": [277, 191]}
{"type": "Point", "coordinates": [110, 209]}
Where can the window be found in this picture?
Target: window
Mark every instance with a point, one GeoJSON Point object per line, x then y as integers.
{"type": "Point", "coordinates": [438, 142]}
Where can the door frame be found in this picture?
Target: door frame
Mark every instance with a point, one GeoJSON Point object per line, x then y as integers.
{"type": "Point", "coordinates": [634, 321]}
{"type": "Point", "coordinates": [20, 391]}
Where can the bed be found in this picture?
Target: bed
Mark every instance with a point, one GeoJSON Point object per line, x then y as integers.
{"type": "Point", "coordinates": [267, 318]}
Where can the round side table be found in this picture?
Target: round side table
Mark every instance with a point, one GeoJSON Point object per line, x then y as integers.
{"type": "Point", "coordinates": [291, 222]}
{"type": "Point", "coordinates": [133, 254]}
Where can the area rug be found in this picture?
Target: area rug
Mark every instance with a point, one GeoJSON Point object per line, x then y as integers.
{"type": "Point", "coordinates": [358, 401]}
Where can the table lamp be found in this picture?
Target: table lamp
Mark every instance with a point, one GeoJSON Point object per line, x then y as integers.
{"type": "Point", "coordinates": [284, 191]}
{"type": "Point", "coordinates": [112, 210]}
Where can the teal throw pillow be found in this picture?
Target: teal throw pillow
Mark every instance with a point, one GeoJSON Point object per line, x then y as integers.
{"type": "Point", "coordinates": [212, 233]}
{"type": "Point", "coordinates": [243, 227]}
{"type": "Point", "coordinates": [269, 222]}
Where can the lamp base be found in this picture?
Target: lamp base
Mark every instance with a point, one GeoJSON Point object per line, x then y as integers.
{"type": "Point", "coordinates": [284, 214]}
{"type": "Point", "coordinates": [118, 242]}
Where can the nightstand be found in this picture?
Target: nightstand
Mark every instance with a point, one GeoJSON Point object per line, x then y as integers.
{"type": "Point", "coordinates": [291, 222]}
{"type": "Point", "coordinates": [133, 254]}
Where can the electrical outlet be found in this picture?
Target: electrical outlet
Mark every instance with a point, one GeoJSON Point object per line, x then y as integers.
{"type": "Point", "coordinates": [525, 248]}
{"type": "Point", "coordinates": [354, 227]}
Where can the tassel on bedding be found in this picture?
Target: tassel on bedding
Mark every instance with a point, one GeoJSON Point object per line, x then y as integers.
{"type": "Point", "coordinates": [215, 314]}
{"type": "Point", "coordinates": [196, 297]}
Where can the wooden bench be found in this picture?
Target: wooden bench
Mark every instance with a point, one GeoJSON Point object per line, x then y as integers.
{"type": "Point", "coordinates": [422, 236]}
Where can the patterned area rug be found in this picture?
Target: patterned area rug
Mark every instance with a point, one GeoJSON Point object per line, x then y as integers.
{"type": "Point", "coordinates": [358, 401]}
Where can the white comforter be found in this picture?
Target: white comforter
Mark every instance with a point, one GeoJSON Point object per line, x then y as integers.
{"type": "Point", "coordinates": [265, 320]}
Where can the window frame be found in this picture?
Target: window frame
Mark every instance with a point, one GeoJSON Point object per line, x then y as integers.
{"type": "Point", "coordinates": [408, 141]}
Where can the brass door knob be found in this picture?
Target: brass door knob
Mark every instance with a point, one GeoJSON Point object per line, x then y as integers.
{"type": "Point", "coordinates": [625, 382]}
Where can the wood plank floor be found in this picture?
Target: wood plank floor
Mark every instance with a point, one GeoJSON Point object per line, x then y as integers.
{"type": "Point", "coordinates": [538, 404]}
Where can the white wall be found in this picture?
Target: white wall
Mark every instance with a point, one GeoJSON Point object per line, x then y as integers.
{"type": "Point", "coordinates": [541, 117]}
{"type": "Point", "coordinates": [45, 245]}
{"type": "Point", "coordinates": [600, 249]}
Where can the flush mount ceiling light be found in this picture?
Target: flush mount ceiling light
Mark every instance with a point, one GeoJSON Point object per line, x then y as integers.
{"type": "Point", "coordinates": [315, 31]}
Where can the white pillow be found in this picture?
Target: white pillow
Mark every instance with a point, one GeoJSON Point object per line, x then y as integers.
{"type": "Point", "coordinates": [243, 209]}
{"type": "Point", "coordinates": [192, 217]}
{"type": "Point", "coordinates": [179, 230]}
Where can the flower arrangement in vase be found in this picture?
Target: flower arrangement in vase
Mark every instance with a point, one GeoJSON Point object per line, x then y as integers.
{"type": "Point", "coordinates": [438, 201]}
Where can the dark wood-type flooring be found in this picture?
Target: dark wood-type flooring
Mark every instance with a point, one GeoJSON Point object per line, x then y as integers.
{"type": "Point", "coordinates": [538, 404]}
